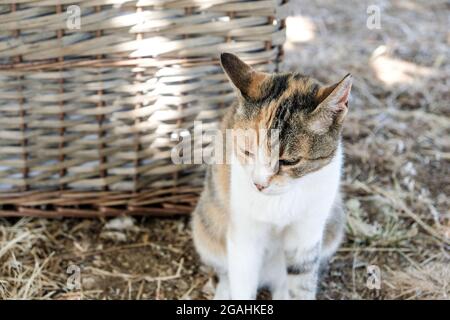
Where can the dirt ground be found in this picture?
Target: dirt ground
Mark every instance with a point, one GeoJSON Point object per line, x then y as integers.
{"type": "Point", "coordinates": [396, 181]}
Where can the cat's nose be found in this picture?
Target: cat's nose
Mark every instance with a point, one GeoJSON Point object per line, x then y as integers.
{"type": "Point", "coordinates": [260, 187]}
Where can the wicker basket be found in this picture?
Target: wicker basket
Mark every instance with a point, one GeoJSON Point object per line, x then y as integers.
{"type": "Point", "coordinates": [86, 114]}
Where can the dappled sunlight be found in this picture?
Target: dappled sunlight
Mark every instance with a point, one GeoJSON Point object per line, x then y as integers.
{"type": "Point", "coordinates": [300, 29]}
{"type": "Point", "coordinates": [392, 71]}
{"type": "Point", "coordinates": [410, 5]}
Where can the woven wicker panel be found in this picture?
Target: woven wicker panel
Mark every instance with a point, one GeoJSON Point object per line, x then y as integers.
{"type": "Point", "coordinates": [86, 115]}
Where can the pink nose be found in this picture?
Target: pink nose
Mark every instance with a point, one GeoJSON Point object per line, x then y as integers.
{"type": "Point", "coordinates": [260, 187]}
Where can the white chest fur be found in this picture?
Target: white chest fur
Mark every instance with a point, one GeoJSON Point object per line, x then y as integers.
{"type": "Point", "coordinates": [311, 196]}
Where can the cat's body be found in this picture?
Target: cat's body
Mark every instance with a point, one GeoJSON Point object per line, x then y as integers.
{"type": "Point", "coordinates": [254, 222]}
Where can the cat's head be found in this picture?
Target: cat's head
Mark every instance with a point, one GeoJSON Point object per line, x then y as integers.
{"type": "Point", "coordinates": [306, 115]}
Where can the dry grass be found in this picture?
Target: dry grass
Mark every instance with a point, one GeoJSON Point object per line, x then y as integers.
{"type": "Point", "coordinates": [396, 178]}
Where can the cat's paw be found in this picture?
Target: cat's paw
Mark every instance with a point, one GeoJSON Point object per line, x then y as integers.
{"type": "Point", "coordinates": [280, 294]}
{"type": "Point", "coordinates": [301, 294]}
{"type": "Point", "coordinates": [222, 295]}
{"type": "Point", "coordinates": [222, 292]}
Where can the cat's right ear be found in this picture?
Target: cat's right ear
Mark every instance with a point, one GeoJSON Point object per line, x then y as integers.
{"type": "Point", "coordinates": [247, 80]}
{"type": "Point", "coordinates": [333, 105]}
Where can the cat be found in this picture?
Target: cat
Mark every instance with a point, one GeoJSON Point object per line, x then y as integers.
{"type": "Point", "coordinates": [256, 220]}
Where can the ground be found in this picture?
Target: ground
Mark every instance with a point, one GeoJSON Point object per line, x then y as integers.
{"type": "Point", "coordinates": [396, 178]}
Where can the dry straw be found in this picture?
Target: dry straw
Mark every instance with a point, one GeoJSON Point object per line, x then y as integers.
{"type": "Point", "coordinates": [86, 115]}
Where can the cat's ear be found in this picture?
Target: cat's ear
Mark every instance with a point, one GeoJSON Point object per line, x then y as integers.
{"type": "Point", "coordinates": [333, 105]}
{"type": "Point", "coordinates": [247, 80]}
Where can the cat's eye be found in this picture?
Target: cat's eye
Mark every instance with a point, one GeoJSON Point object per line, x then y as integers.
{"type": "Point", "coordinates": [248, 153]}
{"type": "Point", "coordinates": [289, 162]}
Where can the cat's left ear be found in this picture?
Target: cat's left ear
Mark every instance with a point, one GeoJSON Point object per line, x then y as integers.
{"type": "Point", "coordinates": [333, 105]}
{"type": "Point", "coordinates": [246, 79]}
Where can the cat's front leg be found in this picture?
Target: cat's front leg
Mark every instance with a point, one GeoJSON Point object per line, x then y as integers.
{"type": "Point", "coordinates": [304, 274]}
{"type": "Point", "coordinates": [223, 287]}
{"type": "Point", "coordinates": [274, 274]}
{"type": "Point", "coordinates": [245, 250]}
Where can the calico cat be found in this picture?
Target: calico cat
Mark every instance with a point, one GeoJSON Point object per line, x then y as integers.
{"type": "Point", "coordinates": [256, 220]}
